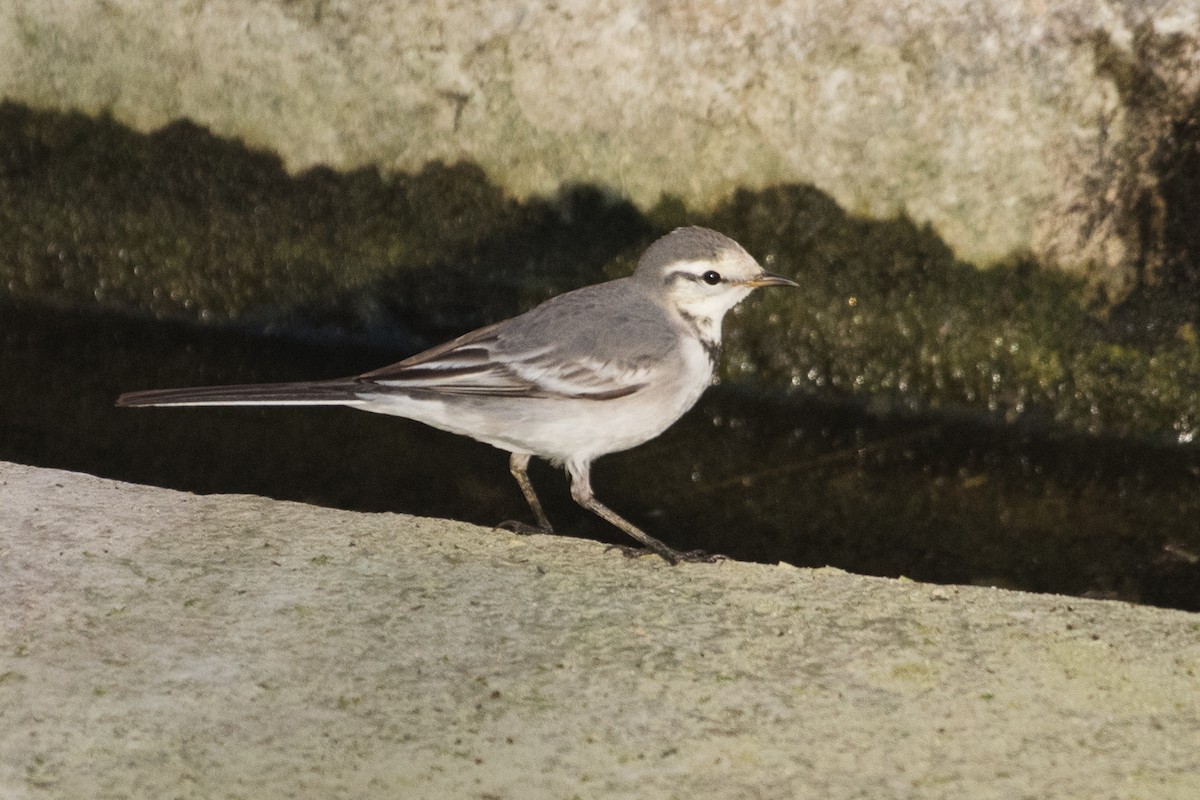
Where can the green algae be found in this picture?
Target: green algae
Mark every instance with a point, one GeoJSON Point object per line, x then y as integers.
{"type": "Point", "coordinates": [887, 313]}
{"type": "Point", "coordinates": [182, 225]}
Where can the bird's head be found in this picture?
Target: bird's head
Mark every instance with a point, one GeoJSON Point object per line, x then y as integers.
{"type": "Point", "coordinates": [702, 274]}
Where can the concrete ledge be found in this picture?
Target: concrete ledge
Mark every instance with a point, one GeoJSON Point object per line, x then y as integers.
{"type": "Point", "coordinates": [158, 644]}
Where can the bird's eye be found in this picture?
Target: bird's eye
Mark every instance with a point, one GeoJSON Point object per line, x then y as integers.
{"type": "Point", "coordinates": [712, 277]}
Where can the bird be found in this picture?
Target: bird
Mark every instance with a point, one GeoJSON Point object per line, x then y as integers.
{"type": "Point", "coordinates": [593, 371]}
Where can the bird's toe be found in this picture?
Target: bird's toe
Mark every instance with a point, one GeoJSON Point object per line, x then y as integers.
{"type": "Point", "coordinates": [701, 557]}
{"type": "Point", "coordinates": [522, 528]}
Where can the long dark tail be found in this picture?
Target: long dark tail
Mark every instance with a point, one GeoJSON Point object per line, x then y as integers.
{"type": "Point", "coordinates": [315, 393]}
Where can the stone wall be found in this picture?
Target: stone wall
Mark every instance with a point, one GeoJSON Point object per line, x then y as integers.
{"type": "Point", "coordinates": [1010, 127]}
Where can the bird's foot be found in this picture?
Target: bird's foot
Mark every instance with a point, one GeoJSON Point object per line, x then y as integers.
{"type": "Point", "coordinates": [629, 551]}
{"type": "Point", "coordinates": [522, 528]}
{"type": "Point", "coordinates": [668, 554]}
{"type": "Point", "coordinates": [700, 556]}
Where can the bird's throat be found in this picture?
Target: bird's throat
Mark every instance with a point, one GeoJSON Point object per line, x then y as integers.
{"type": "Point", "coordinates": [707, 330]}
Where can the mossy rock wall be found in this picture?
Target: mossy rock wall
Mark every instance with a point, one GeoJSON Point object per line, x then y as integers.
{"type": "Point", "coordinates": [1010, 128]}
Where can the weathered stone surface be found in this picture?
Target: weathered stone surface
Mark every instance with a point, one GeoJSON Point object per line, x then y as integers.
{"type": "Point", "coordinates": [157, 644]}
{"type": "Point", "coordinates": [1010, 127]}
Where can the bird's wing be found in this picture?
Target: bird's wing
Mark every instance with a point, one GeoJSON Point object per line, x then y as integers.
{"type": "Point", "coordinates": [571, 346]}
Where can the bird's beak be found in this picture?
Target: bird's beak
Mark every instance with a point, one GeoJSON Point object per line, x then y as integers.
{"type": "Point", "coordinates": [770, 279]}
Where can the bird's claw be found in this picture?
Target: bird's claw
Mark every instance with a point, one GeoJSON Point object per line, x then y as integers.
{"type": "Point", "coordinates": [629, 551]}
{"type": "Point", "coordinates": [671, 556]}
{"type": "Point", "coordinates": [702, 557]}
{"type": "Point", "coordinates": [521, 528]}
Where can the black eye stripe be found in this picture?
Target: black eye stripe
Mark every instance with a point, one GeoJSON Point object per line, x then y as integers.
{"type": "Point", "coordinates": [711, 277]}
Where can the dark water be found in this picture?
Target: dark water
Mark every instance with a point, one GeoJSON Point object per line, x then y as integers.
{"type": "Point", "coordinates": [752, 476]}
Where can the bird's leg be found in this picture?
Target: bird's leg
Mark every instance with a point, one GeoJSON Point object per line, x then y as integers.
{"type": "Point", "coordinates": [581, 491]}
{"type": "Point", "coordinates": [518, 464]}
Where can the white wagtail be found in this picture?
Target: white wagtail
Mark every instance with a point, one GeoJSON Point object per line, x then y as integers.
{"type": "Point", "coordinates": [593, 371]}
